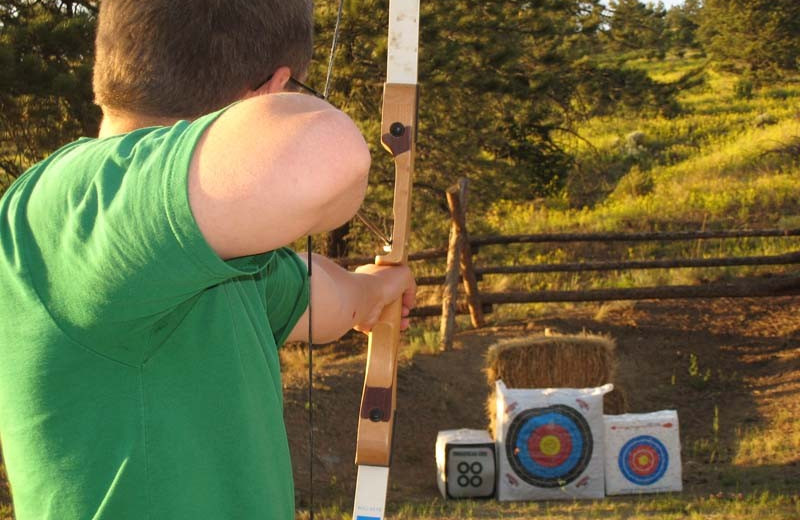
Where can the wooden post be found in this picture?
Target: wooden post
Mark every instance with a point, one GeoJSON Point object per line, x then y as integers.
{"type": "Point", "coordinates": [457, 201]}
{"type": "Point", "coordinates": [450, 292]}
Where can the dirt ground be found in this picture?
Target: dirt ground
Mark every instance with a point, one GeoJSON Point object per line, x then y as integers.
{"type": "Point", "coordinates": [747, 355]}
{"type": "Point", "coordinates": [749, 347]}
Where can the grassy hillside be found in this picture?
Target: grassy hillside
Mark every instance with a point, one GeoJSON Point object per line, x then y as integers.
{"type": "Point", "coordinates": [725, 159]}
{"type": "Point", "coordinates": [729, 160]}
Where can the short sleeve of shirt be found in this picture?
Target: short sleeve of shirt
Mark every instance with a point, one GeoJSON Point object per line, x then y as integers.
{"type": "Point", "coordinates": [106, 232]}
{"type": "Point", "coordinates": [287, 293]}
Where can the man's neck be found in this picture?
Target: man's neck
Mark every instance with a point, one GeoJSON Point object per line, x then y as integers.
{"type": "Point", "coordinates": [117, 122]}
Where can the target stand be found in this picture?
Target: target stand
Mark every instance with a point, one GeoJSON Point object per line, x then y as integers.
{"type": "Point", "coordinates": [466, 464]}
{"type": "Point", "coordinates": [554, 450]}
{"type": "Point", "coordinates": [642, 453]}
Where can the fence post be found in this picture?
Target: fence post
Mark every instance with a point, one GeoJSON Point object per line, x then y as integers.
{"type": "Point", "coordinates": [457, 200]}
{"type": "Point", "coordinates": [450, 293]}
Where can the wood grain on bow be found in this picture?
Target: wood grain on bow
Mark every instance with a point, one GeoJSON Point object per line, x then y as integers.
{"type": "Point", "coordinates": [398, 136]}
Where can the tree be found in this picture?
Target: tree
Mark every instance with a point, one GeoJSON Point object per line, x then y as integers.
{"type": "Point", "coordinates": [46, 52]}
{"type": "Point", "coordinates": [499, 82]}
{"type": "Point", "coordinates": [634, 26]}
{"type": "Point", "coordinates": [757, 37]}
{"type": "Point", "coordinates": [682, 22]}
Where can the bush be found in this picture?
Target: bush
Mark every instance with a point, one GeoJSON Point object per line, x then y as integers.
{"type": "Point", "coordinates": [778, 93]}
{"type": "Point", "coordinates": [743, 89]}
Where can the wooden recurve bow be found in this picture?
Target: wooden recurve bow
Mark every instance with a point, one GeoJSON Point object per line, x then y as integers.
{"type": "Point", "coordinates": [398, 136]}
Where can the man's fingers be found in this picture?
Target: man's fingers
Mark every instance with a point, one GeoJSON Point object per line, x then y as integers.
{"type": "Point", "coordinates": [404, 323]}
{"type": "Point", "coordinates": [362, 329]}
{"type": "Point", "coordinates": [410, 298]}
{"type": "Point", "coordinates": [391, 282]}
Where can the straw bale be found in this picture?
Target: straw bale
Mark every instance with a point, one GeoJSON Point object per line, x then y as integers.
{"type": "Point", "coordinates": [555, 361]}
{"type": "Point", "coordinates": [578, 361]}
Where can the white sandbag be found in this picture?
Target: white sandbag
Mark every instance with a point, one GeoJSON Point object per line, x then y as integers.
{"type": "Point", "coordinates": [643, 453]}
{"type": "Point", "coordinates": [550, 443]}
{"type": "Point", "coordinates": [465, 464]}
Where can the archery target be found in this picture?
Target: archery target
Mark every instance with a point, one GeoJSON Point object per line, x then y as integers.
{"type": "Point", "coordinates": [549, 447]}
{"type": "Point", "coordinates": [466, 464]}
{"type": "Point", "coordinates": [550, 443]}
{"type": "Point", "coordinates": [642, 453]}
{"type": "Point", "coordinates": [643, 460]}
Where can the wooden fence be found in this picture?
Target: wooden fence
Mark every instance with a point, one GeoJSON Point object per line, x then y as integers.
{"type": "Point", "coordinates": [462, 248]}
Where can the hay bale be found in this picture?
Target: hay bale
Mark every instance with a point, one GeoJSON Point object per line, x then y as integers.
{"type": "Point", "coordinates": [555, 361]}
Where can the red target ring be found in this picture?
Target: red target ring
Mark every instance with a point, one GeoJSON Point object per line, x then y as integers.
{"type": "Point", "coordinates": [643, 460]}
{"type": "Point", "coordinates": [550, 445]}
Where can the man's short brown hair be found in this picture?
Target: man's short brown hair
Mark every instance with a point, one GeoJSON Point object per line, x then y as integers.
{"type": "Point", "coordinates": [185, 58]}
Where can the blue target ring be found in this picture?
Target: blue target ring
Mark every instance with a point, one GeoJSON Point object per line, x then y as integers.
{"type": "Point", "coordinates": [643, 460]}
{"type": "Point", "coordinates": [548, 420]}
{"type": "Point", "coordinates": [549, 447]}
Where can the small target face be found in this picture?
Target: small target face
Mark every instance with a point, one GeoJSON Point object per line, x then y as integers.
{"type": "Point", "coordinates": [643, 460]}
{"type": "Point", "coordinates": [469, 475]}
{"type": "Point", "coordinates": [549, 447]}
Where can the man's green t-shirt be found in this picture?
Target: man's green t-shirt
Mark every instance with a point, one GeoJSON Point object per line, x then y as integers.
{"type": "Point", "coordinates": [139, 373]}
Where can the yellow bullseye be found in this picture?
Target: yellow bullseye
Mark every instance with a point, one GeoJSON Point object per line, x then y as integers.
{"type": "Point", "coordinates": [643, 460]}
{"type": "Point", "coordinates": [550, 445]}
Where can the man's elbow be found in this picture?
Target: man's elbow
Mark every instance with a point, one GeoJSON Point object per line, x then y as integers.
{"type": "Point", "coordinates": [353, 152]}
{"type": "Point", "coordinates": [345, 160]}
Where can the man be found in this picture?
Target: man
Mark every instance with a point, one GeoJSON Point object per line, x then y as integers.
{"type": "Point", "coordinates": [144, 280]}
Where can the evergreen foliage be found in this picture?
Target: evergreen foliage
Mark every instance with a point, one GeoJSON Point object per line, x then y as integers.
{"type": "Point", "coordinates": [760, 38]}
{"type": "Point", "coordinates": [639, 27]}
{"type": "Point", "coordinates": [499, 81]}
{"type": "Point", "coordinates": [46, 52]}
{"type": "Point", "coordinates": [502, 83]}
{"type": "Point", "coordinates": [682, 22]}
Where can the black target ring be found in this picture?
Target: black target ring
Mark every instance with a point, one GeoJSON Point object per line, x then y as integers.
{"type": "Point", "coordinates": [549, 447]}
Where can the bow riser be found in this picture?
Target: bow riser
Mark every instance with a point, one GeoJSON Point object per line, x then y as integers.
{"type": "Point", "coordinates": [376, 419]}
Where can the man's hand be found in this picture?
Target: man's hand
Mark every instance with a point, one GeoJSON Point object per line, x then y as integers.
{"type": "Point", "coordinates": [388, 283]}
{"type": "Point", "coordinates": [353, 300]}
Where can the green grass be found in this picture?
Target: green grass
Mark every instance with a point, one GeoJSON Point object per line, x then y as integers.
{"type": "Point", "coordinates": [723, 163]}
{"type": "Point", "coordinates": [722, 505]}
{"type": "Point", "coordinates": [778, 443]}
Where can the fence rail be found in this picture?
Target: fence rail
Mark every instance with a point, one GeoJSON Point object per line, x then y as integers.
{"type": "Point", "coordinates": [739, 261]}
{"type": "Point", "coordinates": [462, 247]}
{"type": "Point", "coordinates": [475, 242]}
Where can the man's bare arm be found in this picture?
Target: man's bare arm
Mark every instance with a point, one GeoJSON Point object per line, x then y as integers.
{"type": "Point", "coordinates": [343, 300]}
{"type": "Point", "coordinates": [274, 168]}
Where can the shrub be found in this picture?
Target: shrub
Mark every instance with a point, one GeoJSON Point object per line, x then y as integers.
{"type": "Point", "coordinates": [743, 88]}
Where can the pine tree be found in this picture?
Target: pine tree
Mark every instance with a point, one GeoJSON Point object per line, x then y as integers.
{"type": "Point", "coordinates": [46, 51]}
{"type": "Point", "coordinates": [637, 27]}
{"type": "Point", "coordinates": [499, 81]}
{"type": "Point", "coordinates": [682, 23]}
{"type": "Point", "coordinates": [757, 37]}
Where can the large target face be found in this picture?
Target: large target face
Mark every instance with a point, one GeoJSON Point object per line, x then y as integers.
{"type": "Point", "coordinates": [643, 460]}
{"type": "Point", "coordinates": [549, 447]}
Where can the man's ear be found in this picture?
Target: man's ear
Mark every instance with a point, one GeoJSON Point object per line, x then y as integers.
{"type": "Point", "coordinates": [276, 83]}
